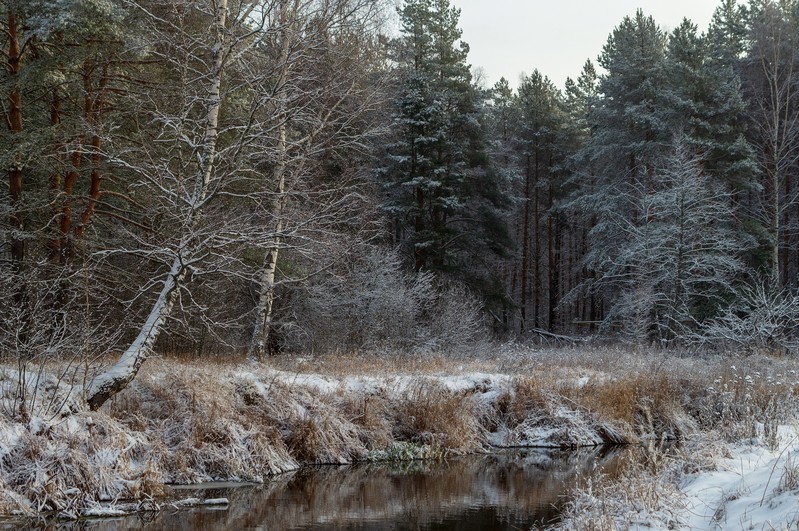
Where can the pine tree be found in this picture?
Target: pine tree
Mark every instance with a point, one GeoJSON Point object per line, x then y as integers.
{"type": "Point", "coordinates": [442, 192]}
{"type": "Point", "coordinates": [630, 127]}
{"type": "Point", "coordinates": [728, 33]}
{"type": "Point", "coordinates": [540, 135]}
{"type": "Point", "coordinates": [629, 137]}
{"type": "Point", "coordinates": [581, 100]}
{"type": "Point", "coordinates": [503, 122]}
{"type": "Point", "coordinates": [703, 98]}
{"type": "Point", "coordinates": [679, 264]}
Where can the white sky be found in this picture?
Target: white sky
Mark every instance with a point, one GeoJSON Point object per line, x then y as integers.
{"type": "Point", "coordinates": [508, 37]}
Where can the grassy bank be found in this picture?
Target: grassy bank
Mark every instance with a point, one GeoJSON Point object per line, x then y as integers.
{"type": "Point", "coordinates": [187, 421]}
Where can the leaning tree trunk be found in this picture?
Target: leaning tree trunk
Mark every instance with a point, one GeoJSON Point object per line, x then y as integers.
{"type": "Point", "coordinates": [118, 376]}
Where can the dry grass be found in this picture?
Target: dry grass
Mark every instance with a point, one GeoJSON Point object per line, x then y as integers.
{"type": "Point", "coordinates": [648, 406]}
{"type": "Point", "coordinates": [526, 395]}
{"type": "Point", "coordinates": [187, 421]}
{"type": "Point", "coordinates": [430, 414]}
{"type": "Point", "coordinates": [637, 495]}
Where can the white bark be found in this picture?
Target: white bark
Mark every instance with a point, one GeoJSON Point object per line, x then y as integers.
{"type": "Point", "coordinates": [776, 124]}
{"type": "Point", "coordinates": [122, 373]}
{"type": "Point", "coordinates": [114, 379]}
{"type": "Point", "coordinates": [266, 299]}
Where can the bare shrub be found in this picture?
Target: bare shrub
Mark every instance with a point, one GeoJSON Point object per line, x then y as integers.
{"type": "Point", "coordinates": [371, 303]}
{"type": "Point", "coordinates": [454, 324]}
{"type": "Point", "coordinates": [761, 319]}
{"type": "Point", "coordinates": [51, 337]}
{"type": "Point", "coordinates": [374, 305]}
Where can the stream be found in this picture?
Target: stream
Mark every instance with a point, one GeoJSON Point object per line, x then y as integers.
{"type": "Point", "coordinates": [507, 490]}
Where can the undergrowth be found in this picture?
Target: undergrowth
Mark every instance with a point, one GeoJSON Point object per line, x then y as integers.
{"type": "Point", "coordinates": [187, 422]}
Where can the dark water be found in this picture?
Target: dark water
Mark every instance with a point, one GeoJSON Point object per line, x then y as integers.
{"type": "Point", "coordinates": [511, 490]}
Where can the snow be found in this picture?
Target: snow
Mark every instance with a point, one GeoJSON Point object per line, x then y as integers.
{"type": "Point", "coordinates": [104, 512]}
{"type": "Point", "coordinates": [9, 436]}
{"type": "Point", "coordinates": [751, 487]}
{"type": "Point", "coordinates": [397, 385]}
{"type": "Point", "coordinates": [754, 488]}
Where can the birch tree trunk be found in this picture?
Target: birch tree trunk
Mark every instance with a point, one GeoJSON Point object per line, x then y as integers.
{"type": "Point", "coordinates": [118, 376]}
{"type": "Point", "coordinates": [266, 298]}
{"type": "Point", "coordinates": [775, 119]}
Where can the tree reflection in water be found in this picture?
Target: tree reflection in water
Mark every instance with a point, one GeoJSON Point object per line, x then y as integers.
{"type": "Point", "coordinates": [509, 490]}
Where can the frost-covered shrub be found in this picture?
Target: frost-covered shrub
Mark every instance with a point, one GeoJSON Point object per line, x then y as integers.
{"type": "Point", "coordinates": [376, 305]}
{"type": "Point", "coordinates": [760, 319]}
{"type": "Point", "coordinates": [454, 321]}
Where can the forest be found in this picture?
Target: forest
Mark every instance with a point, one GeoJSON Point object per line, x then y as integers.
{"type": "Point", "coordinates": [317, 176]}
{"type": "Point", "coordinates": [241, 236]}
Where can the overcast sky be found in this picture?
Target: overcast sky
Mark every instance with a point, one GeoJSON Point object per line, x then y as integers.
{"type": "Point", "coordinates": [508, 37]}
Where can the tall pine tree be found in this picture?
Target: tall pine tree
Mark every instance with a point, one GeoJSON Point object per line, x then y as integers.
{"type": "Point", "coordinates": [443, 196]}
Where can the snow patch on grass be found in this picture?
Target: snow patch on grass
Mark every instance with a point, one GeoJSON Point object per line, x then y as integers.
{"type": "Point", "coordinates": [190, 423]}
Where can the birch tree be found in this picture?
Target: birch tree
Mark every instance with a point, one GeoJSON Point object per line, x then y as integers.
{"type": "Point", "coordinates": [193, 193]}
{"type": "Point", "coordinates": [252, 105]}
{"type": "Point", "coordinates": [772, 71]}
{"type": "Point", "coordinates": [324, 95]}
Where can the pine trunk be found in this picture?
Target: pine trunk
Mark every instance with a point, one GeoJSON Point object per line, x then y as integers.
{"type": "Point", "coordinates": [14, 117]}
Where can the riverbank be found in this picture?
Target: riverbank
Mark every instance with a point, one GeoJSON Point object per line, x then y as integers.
{"type": "Point", "coordinates": [708, 484]}
{"type": "Point", "coordinates": [193, 421]}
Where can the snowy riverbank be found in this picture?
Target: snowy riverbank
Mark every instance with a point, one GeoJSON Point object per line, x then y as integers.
{"type": "Point", "coordinates": [192, 422]}
{"type": "Point", "coordinates": [707, 485]}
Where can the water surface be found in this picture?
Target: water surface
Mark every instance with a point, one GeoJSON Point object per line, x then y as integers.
{"type": "Point", "coordinates": [510, 490]}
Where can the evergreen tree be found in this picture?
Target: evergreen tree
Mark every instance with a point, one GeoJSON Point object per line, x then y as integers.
{"type": "Point", "coordinates": [503, 122]}
{"type": "Point", "coordinates": [629, 137]}
{"type": "Point", "coordinates": [727, 34]}
{"type": "Point", "coordinates": [678, 265]}
{"type": "Point", "coordinates": [702, 95]}
{"type": "Point", "coordinates": [443, 194]}
{"type": "Point", "coordinates": [540, 136]}
{"type": "Point", "coordinates": [581, 100]}
{"type": "Point", "coordinates": [631, 130]}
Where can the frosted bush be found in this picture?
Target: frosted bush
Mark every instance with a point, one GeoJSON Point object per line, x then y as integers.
{"type": "Point", "coordinates": [376, 305]}
{"type": "Point", "coordinates": [761, 319]}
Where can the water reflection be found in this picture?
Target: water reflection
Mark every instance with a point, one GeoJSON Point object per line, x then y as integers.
{"type": "Point", "coordinates": [507, 491]}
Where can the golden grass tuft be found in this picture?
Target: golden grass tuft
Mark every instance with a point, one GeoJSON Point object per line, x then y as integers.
{"type": "Point", "coordinates": [371, 414]}
{"type": "Point", "coordinates": [429, 413]}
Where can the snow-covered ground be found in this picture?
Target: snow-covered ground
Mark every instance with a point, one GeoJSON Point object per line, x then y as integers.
{"type": "Point", "coordinates": [755, 487]}
{"type": "Point", "coordinates": [746, 485]}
